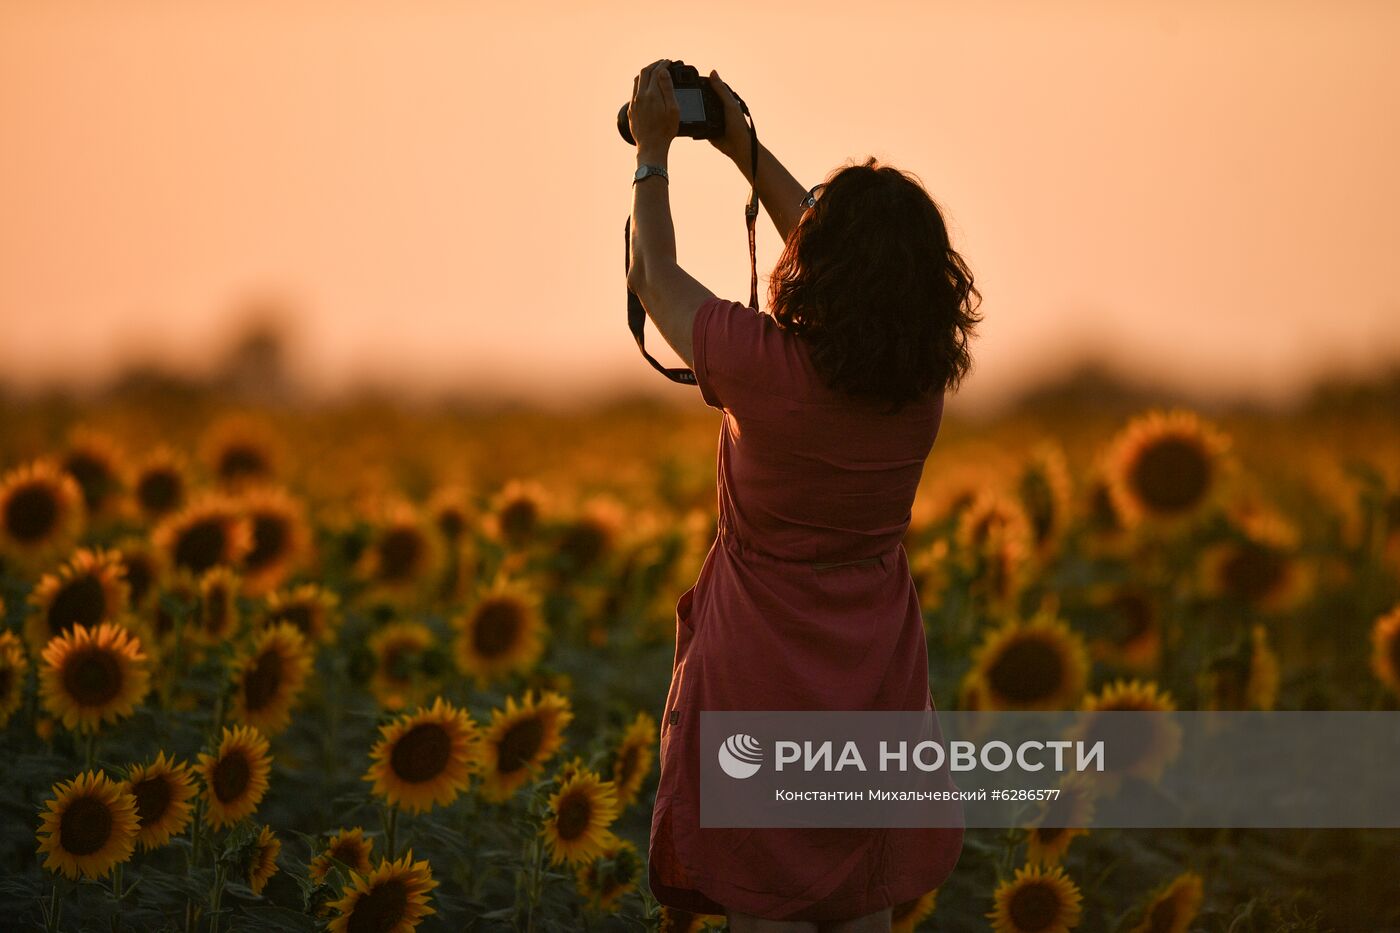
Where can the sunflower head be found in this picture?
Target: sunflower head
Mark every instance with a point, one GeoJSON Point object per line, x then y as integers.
{"type": "Point", "coordinates": [520, 739]}
{"type": "Point", "coordinates": [235, 775]}
{"type": "Point", "coordinates": [1246, 678]}
{"type": "Point", "coordinates": [269, 678]}
{"type": "Point", "coordinates": [905, 917]}
{"type": "Point", "coordinates": [1060, 820]}
{"type": "Point", "coordinates": [516, 512]}
{"type": "Point", "coordinates": [580, 812]}
{"type": "Point", "coordinates": [1167, 467]}
{"type": "Point", "coordinates": [1385, 649]}
{"type": "Point", "coordinates": [590, 537]}
{"type": "Point", "coordinates": [96, 462]}
{"type": "Point", "coordinates": [163, 790]}
{"type": "Point", "coordinates": [1258, 566]}
{"type": "Point", "coordinates": [312, 609]}
{"type": "Point", "coordinates": [41, 511]}
{"type": "Point", "coordinates": [1036, 665]}
{"type": "Point", "coordinates": [1173, 908]}
{"type": "Point", "coordinates": [143, 569]}
{"type": "Point", "coordinates": [240, 451]}
{"type": "Point", "coordinates": [88, 590]}
{"type": "Point", "coordinates": [391, 899]}
{"type": "Point", "coordinates": [89, 826]}
{"type": "Point", "coordinates": [500, 634]}
{"type": "Point", "coordinates": [349, 848]}
{"type": "Point", "coordinates": [450, 512]}
{"type": "Point", "coordinates": [260, 859]}
{"type": "Point", "coordinates": [633, 761]}
{"type": "Point", "coordinates": [401, 554]}
{"type": "Point", "coordinates": [217, 617]}
{"type": "Point", "coordinates": [605, 879]}
{"type": "Point", "coordinates": [161, 484]}
{"type": "Point", "coordinates": [92, 676]}
{"type": "Point", "coordinates": [1036, 900]}
{"type": "Point", "coordinates": [1146, 750]}
{"type": "Point", "coordinates": [281, 538]}
{"type": "Point", "coordinates": [205, 534]}
{"type": "Point", "coordinates": [425, 758]}
{"type": "Point", "coordinates": [1129, 631]}
{"type": "Point", "coordinates": [1043, 489]}
{"type": "Point", "coordinates": [406, 662]}
{"type": "Point", "coordinates": [13, 667]}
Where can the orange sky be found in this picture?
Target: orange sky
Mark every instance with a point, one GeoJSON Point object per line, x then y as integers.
{"type": "Point", "coordinates": [1204, 192]}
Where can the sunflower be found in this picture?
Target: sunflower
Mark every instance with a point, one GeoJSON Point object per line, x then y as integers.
{"type": "Point", "coordinates": [1060, 820]}
{"type": "Point", "coordinates": [350, 848]}
{"type": "Point", "coordinates": [161, 484]}
{"type": "Point", "coordinates": [400, 554]}
{"type": "Point", "coordinates": [580, 812]}
{"type": "Point", "coordinates": [1172, 910]}
{"type": "Point", "coordinates": [204, 534]}
{"type": "Point", "coordinates": [1260, 567]}
{"type": "Point", "coordinates": [1036, 900]}
{"type": "Point", "coordinates": [1166, 467]}
{"type": "Point", "coordinates": [143, 569]}
{"type": "Point", "coordinates": [675, 920]}
{"type": "Point", "coordinates": [95, 461]}
{"type": "Point", "coordinates": [450, 512]}
{"type": "Point", "coordinates": [391, 899]}
{"type": "Point", "coordinates": [281, 538]}
{"type": "Point", "coordinates": [163, 790]}
{"type": "Point", "coordinates": [41, 510]}
{"type": "Point", "coordinates": [928, 567]}
{"type": "Point", "coordinates": [314, 610]}
{"type": "Point", "coordinates": [404, 664]}
{"type": "Point", "coordinates": [425, 758]}
{"type": "Point", "coordinates": [501, 634]}
{"type": "Point", "coordinates": [520, 739]}
{"type": "Point", "coordinates": [13, 667]}
{"type": "Point", "coordinates": [516, 512]}
{"type": "Point", "coordinates": [908, 915]}
{"type": "Point", "coordinates": [241, 450]}
{"type": "Point", "coordinates": [217, 617]}
{"type": "Point", "coordinates": [994, 544]}
{"type": "Point", "coordinates": [1147, 749]}
{"type": "Point", "coordinates": [88, 590]}
{"type": "Point", "coordinates": [1043, 488]}
{"type": "Point", "coordinates": [262, 860]}
{"type": "Point", "coordinates": [590, 537]}
{"type": "Point", "coordinates": [269, 678]}
{"type": "Point", "coordinates": [634, 758]}
{"type": "Point", "coordinates": [235, 776]}
{"type": "Point", "coordinates": [1132, 633]}
{"type": "Point", "coordinates": [1035, 665]}
{"type": "Point", "coordinates": [90, 826]}
{"type": "Point", "coordinates": [1385, 649]}
{"type": "Point", "coordinates": [604, 880]}
{"type": "Point", "coordinates": [1103, 518]}
{"type": "Point", "coordinates": [1244, 679]}
{"type": "Point", "coordinates": [93, 675]}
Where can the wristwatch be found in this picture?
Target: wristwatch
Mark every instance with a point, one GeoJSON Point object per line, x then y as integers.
{"type": "Point", "coordinates": [646, 171]}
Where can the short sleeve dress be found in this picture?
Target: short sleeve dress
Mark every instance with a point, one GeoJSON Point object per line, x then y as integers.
{"type": "Point", "coordinates": [804, 602]}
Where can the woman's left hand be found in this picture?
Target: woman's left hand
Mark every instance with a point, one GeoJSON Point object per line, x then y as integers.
{"type": "Point", "coordinates": [654, 116]}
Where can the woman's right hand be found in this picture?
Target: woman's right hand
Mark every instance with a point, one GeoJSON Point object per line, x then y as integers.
{"type": "Point", "coordinates": [735, 142]}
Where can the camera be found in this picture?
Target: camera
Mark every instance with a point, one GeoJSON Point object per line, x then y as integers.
{"type": "Point", "coordinates": [702, 112]}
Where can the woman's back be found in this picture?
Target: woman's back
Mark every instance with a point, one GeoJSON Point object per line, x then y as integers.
{"type": "Point", "coordinates": [805, 473]}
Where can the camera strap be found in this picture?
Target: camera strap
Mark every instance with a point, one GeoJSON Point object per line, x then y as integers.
{"type": "Point", "coordinates": [637, 315]}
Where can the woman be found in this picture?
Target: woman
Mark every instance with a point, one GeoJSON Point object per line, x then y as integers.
{"type": "Point", "coordinates": [805, 601]}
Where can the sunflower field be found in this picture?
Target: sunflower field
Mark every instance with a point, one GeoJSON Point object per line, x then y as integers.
{"type": "Point", "coordinates": [371, 666]}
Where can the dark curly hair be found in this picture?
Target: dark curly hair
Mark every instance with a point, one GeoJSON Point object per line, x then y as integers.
{"type": "Point", "coordinates": [868, 278]}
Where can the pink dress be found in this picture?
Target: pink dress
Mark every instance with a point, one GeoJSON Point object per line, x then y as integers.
{"type": "Point", "coordinates": [808, 478]}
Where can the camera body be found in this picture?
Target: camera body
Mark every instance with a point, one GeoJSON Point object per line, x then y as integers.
{"type": "Point", "coordinates": [702, 112]}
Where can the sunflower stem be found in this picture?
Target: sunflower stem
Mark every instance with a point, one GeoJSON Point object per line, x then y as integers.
{"type": "Point", "coordinates": [391, 826]}
{"type": "Point", "coordinates": [55, 907]}
{"type": "Point", "coordinates": [216, 897]}
{"type": "Point", "coordinates": [89, 749]}
{"type": "Point", "coordinates": [117, 897]}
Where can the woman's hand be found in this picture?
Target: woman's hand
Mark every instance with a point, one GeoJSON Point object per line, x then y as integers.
{"type": "Point", "coordinates": [735, 142]}
{"type": "Point", "coordinates": [654, 116]}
